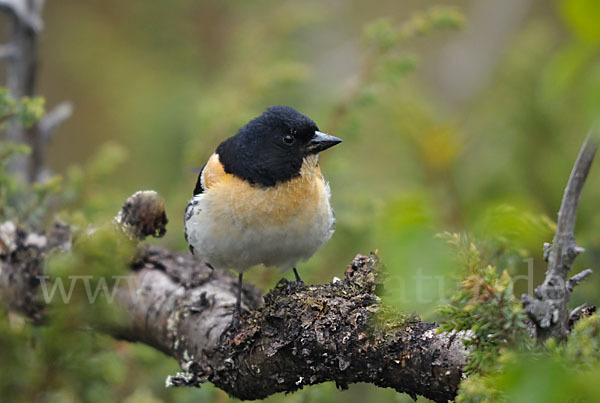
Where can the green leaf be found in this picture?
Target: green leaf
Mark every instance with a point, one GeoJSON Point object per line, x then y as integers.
{"type": "Point", "coordinates": [582, 16]}
{"type": "Point", "coordinates": [382, 34]}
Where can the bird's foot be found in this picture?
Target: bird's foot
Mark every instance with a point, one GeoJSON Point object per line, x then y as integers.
{"type": "Point", "coordinates": [236, 320]}
{"type": "Point", "coordinates": [298, 279]}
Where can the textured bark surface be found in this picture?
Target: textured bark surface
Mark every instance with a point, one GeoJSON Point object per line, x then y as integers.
{"type": "Point", "coordinates": [294, 336]}
{"type": "Point", "coordinates": [304, 335]}
{"type": "Point", "coordinates": [21, 261]}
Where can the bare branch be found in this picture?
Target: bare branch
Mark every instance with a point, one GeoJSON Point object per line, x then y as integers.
{"type": "Point", "coordinates": [51, 120]}
{"type": "Point", "coordinates": [27, 12]}
{"type": "Point", "coordinates": [578, 278]}
{"type": "Point", "coordinates": [549, 310]}
{"type": "Point", "coordinates": [7, 51]}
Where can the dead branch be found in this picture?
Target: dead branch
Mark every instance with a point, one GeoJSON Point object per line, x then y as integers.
{"type": "Point", "coordinates": [548, 310]}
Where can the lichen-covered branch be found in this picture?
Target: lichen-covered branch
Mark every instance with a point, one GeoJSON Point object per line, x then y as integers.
{"type": "Point", "coordinates": [21, 261]}
{"type": "Point", "coordinates": [297, 335]}
{"type": "Point", "coordinates": [304, 335]}
{"type": "Point", "coordinates": [548, 310]}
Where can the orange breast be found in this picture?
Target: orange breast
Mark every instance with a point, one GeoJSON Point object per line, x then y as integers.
{"type": "Point", "coordinates": [294, 202]}
{"type": "Point", "coordinates": [213, 172]}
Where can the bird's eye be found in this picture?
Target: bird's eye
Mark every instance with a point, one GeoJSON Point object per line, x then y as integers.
{"type": "Point", "coordinates": [288, 139]}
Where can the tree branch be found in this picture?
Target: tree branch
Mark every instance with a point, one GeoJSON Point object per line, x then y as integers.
{"type": "Point", "coordinates": [21, 69]}
{"type": "Point", "coordinates": [21, 57]}
{"type": "Point", "coordinates": [548, 310]}
{"type": "Point", "coordinates": [54, 118]}
{"type": "Point", "coordinates": [297, 335]}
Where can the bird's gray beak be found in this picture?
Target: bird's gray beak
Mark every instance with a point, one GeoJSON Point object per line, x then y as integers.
{"type": "Point", "coordinates": [320, 142]}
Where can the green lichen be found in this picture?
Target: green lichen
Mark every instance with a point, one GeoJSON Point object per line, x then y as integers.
{"type": "Point", "coordinates": [388, 321]}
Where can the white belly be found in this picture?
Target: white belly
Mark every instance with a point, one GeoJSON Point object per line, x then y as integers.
{"type": "Point", "coordinates": [237, 226]}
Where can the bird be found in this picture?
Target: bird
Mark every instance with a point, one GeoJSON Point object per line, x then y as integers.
{"type": "Point", "coordinates": [261, 198]}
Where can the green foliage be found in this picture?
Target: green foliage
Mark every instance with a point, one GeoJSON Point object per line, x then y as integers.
{"type": "Point", "coordinates": [99, 262]}
{"type": "Point", "coordinates": [382, 34]}
{"type": "Point", "coordinates": [27, 204]}
{"type": "Point", "coordinates": [485, 306]}
{"type": "Point", "coordinates": [556, 373]}
{"type": "Point", "coordinates": [504, 364]}
{"type": "Point", "coordinates": [436, 17]}
{"type": "Point", "coordinates": [398, 66]}
{"type": "Point", "coordinates": [582, 17]}
{"type": "Point", "coordinates": [582, 349]}
{"type": "Point", "coordinates": [84, 191]}
{"type": "Point", "coordinates": [79, 287]}
{"type": "Point", "coordinates": [80, 294]}
{"type": "Point", "coordinates": [512, 234]}
{"type": "Point", "coordinates": [26, 110]}
{"type": "Point", "coordinates": [9, 185]}
{"type": "Point", "coordinates": [17, 200]}
{"type": "Point", "coordinates": [40, 364]}
{"type": "Point", "coordinates": [388, 62]}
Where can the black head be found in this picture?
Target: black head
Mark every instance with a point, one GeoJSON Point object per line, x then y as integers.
{"type": "Point", "coordinates": [271, 148]}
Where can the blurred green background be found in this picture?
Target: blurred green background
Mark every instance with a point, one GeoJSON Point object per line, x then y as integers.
{"type": "Point", "coordinates": [455, 115]}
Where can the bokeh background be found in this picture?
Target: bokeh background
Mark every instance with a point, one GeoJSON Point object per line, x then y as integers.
{"type": "Point", "coordinates": [461, 116]}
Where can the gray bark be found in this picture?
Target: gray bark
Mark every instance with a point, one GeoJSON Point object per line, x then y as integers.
{"type": "Point", "coordinates": [548, 309]}
{"type": "Point", "coordinates": [21, 57]}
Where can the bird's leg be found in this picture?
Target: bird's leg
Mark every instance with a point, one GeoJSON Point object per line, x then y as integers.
{"type": "Point", "coordinates": [238, 303]}
{"type": "Point", "coordinates": [298, 279]}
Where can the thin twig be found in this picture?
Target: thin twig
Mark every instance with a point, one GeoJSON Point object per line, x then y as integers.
{"type": "Point", "coordinates": [28, 12]}
{"type": "Point", "coordinates": [578, 278]}
{"type": "Point", "coordinates": [51, 120]}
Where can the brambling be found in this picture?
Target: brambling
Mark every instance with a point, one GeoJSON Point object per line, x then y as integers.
{"type": "Point", "coordinates": [261, 197]}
